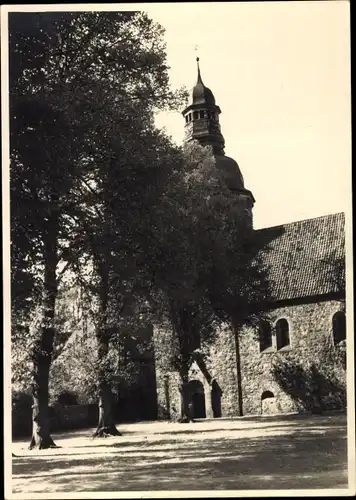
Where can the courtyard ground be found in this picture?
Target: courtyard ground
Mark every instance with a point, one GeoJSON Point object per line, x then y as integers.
{"type": "Point", "coordinates": [281, 452]}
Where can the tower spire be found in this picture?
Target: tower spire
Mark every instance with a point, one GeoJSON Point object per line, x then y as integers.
{"type": "Point", "coordinates": [202, 124]}
{"type": "Point", "coordinates": [202, 116]}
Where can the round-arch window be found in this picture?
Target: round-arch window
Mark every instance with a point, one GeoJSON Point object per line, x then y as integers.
{"type": "Point", "coordinates": [339, 327]}
{"type": "Point", "coordinates": [265, 335]}
{"type": "Point", "coordinates": [282, 333]}
{"type": "Point", "coordinates": [266, 395]}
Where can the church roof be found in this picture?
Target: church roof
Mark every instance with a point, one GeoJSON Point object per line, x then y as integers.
{"type": "Point", "coordinates": [305, 258]}
{"type": "Point", "coordinates": [230, 171]}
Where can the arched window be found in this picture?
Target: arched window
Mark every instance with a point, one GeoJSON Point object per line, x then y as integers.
{"type": "Point", "coordinates": [267, 394]}
{"type": "Point", "coordinates": [248, 211]}
{"type": "Point", "coordinates": [195, 115]}
{"type": "Point", "coordinates": [265, 335]}
{"type": "Point", "coordinates": [282, 333]}
{"type": "Point", "coordinates": [268, 403]}
{"type": "Point", "coordinates": [201, 114]}
{"type": "Point", "coordinates": [339, 327]}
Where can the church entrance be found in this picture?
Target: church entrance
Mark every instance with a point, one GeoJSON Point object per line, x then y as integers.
{"type": "Point", "coordinates": [216, 399]}
{"type": "Point", "coordinates": [197, 399]}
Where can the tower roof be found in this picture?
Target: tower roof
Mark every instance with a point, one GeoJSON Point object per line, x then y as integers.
{"type": "Point", "coordinates": [230, 172]}
{"type": "Point", "coordinates": [201, 94]}
{"type": "Point", "coordinates": [202, 124]}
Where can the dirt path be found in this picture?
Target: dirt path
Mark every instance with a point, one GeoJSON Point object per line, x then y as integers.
{"type": "Point", "coordinates": [290, 452]}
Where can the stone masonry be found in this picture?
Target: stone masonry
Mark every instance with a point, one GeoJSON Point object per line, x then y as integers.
{"type": "Point", "coordinates": [311, 341]}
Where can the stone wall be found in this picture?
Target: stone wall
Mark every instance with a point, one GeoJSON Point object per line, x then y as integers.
{"type": "Point", "coordinates": [168, 396]}
{"type": "Point", "coordinates": [167, 381]}
{"type": "Point", "coordinates": [311, 343]}
{"type": "Point", "coordinates": [218, 374]}
{"type": "Point", "coordinates": [221, 365]}
{"type": "Point", "coordinates": [61, 418]}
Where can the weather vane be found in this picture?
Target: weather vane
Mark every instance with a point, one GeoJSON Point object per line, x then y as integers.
{"type": "Point", "coordinates": [196, 49]}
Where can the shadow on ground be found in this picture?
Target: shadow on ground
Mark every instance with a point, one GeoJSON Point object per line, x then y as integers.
{"type": "Point", "coordinates": [253, 454]}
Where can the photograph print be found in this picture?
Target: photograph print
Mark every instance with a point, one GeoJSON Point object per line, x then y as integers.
{"type": "Point", "coordinates": [177, 227]}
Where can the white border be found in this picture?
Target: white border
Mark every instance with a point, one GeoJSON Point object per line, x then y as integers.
{"type": "Point", "coordinates": [5, 10]}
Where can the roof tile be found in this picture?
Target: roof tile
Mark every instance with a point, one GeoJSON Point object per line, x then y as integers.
{"type": "Point", "coordinates": [305, 258]}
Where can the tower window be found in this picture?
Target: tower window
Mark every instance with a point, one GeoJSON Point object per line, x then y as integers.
{"type": "Point", "coordinates": [339, 327]}
{"type": "Point", "coordinates": [201, 114]}
{"type": "Point", "coordinates": [209, 116]}
{"type": "Point", "coordinates": [282, 333]}
{"type": "Point", "coordinates": [265, 335]}
{"type": "Point", "coordinates": [195, 115]}
{"type": "Point", "coordinates": [190, 117]}
{"type": "Point", "coordinates": [186, 119]}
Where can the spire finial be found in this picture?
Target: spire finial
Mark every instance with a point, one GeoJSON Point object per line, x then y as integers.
{"type": "Point", "coordinates": [199, 75]}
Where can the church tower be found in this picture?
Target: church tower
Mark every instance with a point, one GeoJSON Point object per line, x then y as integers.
{"type": "Point", "coordinates": [202, 124]}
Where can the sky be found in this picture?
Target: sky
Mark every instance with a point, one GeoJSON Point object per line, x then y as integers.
{"type": "Point", "coordinates": [280, 72]}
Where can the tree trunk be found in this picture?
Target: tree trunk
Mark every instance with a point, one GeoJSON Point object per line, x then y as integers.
{"type": "Point", "coordinates": [106, 425]}
{"type": "Point", "coordinates": [181, 329]}
{"type": "Point", "coordinates": [42, 353]}
{"type": "Point", "coordinates": [185, 412]}
{"type": "Point", "coordinates": [41, 437]}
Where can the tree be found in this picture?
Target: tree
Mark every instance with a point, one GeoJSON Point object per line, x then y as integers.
{"type": "Point", "coordinates": [42, 182]}
{"type": "Point", "coordinates": [67, 72]}
{"type": "Point", "coordinates": [127, 186]}
{"type": "Point", "coordinates": [207, 265]}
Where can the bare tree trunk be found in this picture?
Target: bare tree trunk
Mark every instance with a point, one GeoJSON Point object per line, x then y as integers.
{"type": "Point", "coordinates": [42, 354]}
{"type": "Point", "coordinates": [106, 425]}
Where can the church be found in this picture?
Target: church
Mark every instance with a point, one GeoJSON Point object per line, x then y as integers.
{"type": "Point", "coordinates": [295, 361]}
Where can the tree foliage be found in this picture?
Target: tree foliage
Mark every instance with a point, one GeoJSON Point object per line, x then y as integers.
{"type": "Point", "coordinates": [84, 87]}
{"type": "Point", "coordinates": [206, 266]}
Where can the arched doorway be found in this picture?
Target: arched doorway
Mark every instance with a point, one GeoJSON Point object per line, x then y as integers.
{"type": "Point", "coordinates": [197, 398]}
{"type": "Point", "coordinates": [216, 399]}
